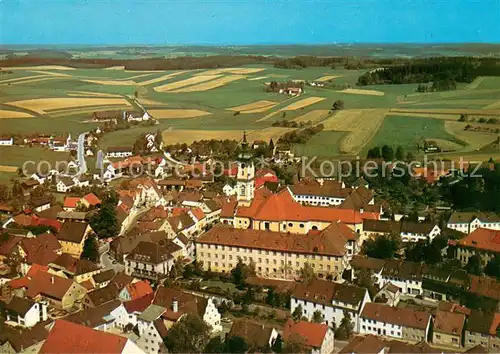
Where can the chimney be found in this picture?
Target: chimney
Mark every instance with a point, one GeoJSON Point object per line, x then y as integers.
{"type": "Point", "coordinates": [52, 280]}
{"type": "Point", "coordinates": [361, 210]}
{"type": "Point", "coordinates": [175, 305]}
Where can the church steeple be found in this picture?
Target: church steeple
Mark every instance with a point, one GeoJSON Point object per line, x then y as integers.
{"type": "Point", "coordinates": [246, 174]}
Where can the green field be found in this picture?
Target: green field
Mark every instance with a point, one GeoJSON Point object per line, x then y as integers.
{"type": "Point", "coordinates": [323, 144]}
{"type": "Point", "coordinates": [409, 132]}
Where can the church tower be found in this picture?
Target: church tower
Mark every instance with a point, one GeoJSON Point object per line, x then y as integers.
{"type": "Point", "coordinates": [246, 173]}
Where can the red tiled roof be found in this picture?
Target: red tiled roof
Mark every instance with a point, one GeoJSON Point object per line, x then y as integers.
{"type": "Point", "coordinates": [483, 239]}
{"type": "Point", "coordinates": [139, 304]}
{"type": "Point", "coordinates": [71, 202]}
{"type": "Point", "coordinates": [313, 333]}
{"type": "Point", "coordinates": [228, 207]}
{"type": "Point", "coordinates": [401, 316]}
{"type": "Point", "coordinates": [198, 213]}
{"type": "Point", "coordinates": [8, 243]}
{"type": "Point", "coordinates": [449, 322]}
{"type": "Point", "coordinates": [92, 199]}
{"type": "Point", "coordinates": [68, 337]}
{"type": "Point", "coordinates": [139, 289]}
{"type": "Point", "coordinates": [41, 250]}
{"type": "Point", "coordinates": [282, 207]}
{"type": "Point", "coordinates": [484, 286]}
{"type": "Point", "coordinates": [41, 283]}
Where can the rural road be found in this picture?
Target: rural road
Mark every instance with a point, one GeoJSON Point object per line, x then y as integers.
{"type": "Point", "coordinates": [81, 154]}
{"type": "Point", "coordinates": [172, 160]}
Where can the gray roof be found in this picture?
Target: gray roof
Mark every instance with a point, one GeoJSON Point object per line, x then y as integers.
{"type": "Point", "coordinates": [152, 312]}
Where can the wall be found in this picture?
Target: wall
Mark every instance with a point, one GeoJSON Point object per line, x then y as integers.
{"type": "Point", "coordinates": [446, 339]}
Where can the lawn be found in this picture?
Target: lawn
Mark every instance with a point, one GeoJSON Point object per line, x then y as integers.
{"type": "Point", "coordinates": [408, 132]}
{"type": "Point", "coordinates": [323, 144]}
{"type": "Point", "coordinates": [17, 156]}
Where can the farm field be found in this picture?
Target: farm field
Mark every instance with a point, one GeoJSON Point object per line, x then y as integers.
{"type": "Point", "coordinates": [14, 157]}
{"type": "Point", "coordinates": [57, 100]}
{"type": "Point", "coordinates": [323, 144]}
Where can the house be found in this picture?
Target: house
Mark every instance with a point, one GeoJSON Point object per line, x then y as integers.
{"type": "Point", "coordinates": [103, 318]}
{"type": "Point", "coordinates": [291, 91]}
{"type": "Point", "coordinates": [65, 184]}
{"type": "Point", "coordinates": [71, 203]}
{"type": "Point", "coordinates": [467, 222]}
{"type": "Point", "coordinates": [106, 116]}
{"type": "Point", "coordinates": [118, 152]}
{"type": "Point", "coordinates": [481, 329]}
{"type": "Point", "coordinates": [6, 141]}
{"type": "Point", "coordinates": [28, 340]}
{"type": "Point", "coordinates": [229, 188]}
{"type": "Point", "coordinates": [430, 146]}
{"type": "Point", "coordinates": [257, 336]}
{"type": "Point", "coordinates": [397, 322]}
{"type": "Point", "coordinates": [178, 303]}
{"type": "Point", "coordinates": [101, 296]}
{"type": "Point", "coordinates": [390, 294]}
{"type": "Point", "coordinates": [59, 292]}
{"type": "Point", "coordinates": [405, 275]}
{"type": "Point", "coordinates": [333, 300]}
{"type": "Point", "coordinates": [80, 270]}
{"type": "Point", "coordinates": [25, 312]}
{"type": "Point", "coordinates": [482, 242]}
{"type": "Point", "coordinates": [72, 237]}
{"type": "Point", "coordinates": [323, 193]}
{"type": "Point", "coordinates": [379, 345]}
{"type": "Point", "coordinates": [121, 246]}
{"type": "Point", "coordinates": [90, 200]}
{"type": "Point", "coordinates": [41, 203]}
{"type": "Point", "coordinates": [152, 329]}
{"type": "Point", "coordinates": [41, 250]}
{"type": "Point", "coordinates": [317, 338]}
{"type": "Point", "coordinates": [449, 328]}
{"type": "Point", "coordinates": [134, 308]}
{"type": "Point", "coordinates": [68, 337]}
{"type": "Point", "coordinates": [135, 290]}
{"type": "Point", "coordinates": [277, 254]}
{"type": "Point", "coordinates": [137, 116]}
{"type": "Point", "coordinates": [28, 186]}
{"type": "Point", "coordinates": [149, 261]}
{"type": "Point", "coordinates": [101, 279]}
{"type": "Point", "coordinates": [408, 231]}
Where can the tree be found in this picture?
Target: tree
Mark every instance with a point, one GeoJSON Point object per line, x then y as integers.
{"type": "Point", "coordinates": [338, 105]}
{"type": "Point", "coordinates": [307, 273]}
{"type": "Point", "coordinates": [17, 190]}
{"type": "Point", "coordinates": [493, 267]}
{"type": "Point", "coordinates": [345, 329]}
{"type": "Point", "coordinates": [278, 345]}
{"type": "Point", "coordinates": [294, 344]}
{"type": "Point", "coordinates": [400, 153]}
{"type": "Point", "coordinates": [242, 271]}
{"type": "Point", "coordinates": [387, 153]}
{"type": "Point", "coordinates": [215, 345]}
{"type": "Point", "coordinates": [188, 335]}
{"type": "Point", "coordinates": [374, 153]}
{"type": "Point", "coordinates": [364, 279]}
{"type": "Point", "coordinates": [91, 249]}
{"type": "Point", "coordinates": [236, 344]}
{"type": "Point", "coordinates": [104, 222]}
{"type": "Point", "coordinates": [297, 313]}
{"type": "Point", "coordinates": [474, 265]}
{"type": "Point", "coordinates": [158, 138]}
{"type": "Point", "coordinates": [384, 246]}
{"type": "Point", "coordinates": [318, 317]}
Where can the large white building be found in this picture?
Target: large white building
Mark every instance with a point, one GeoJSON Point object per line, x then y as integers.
{"type": "Point", "coordinates": [24, 312]}
{"type": "Point", "coordinates": [149, 260]}
{"type": "Point", "coordinates": [333, 300]}
{"type": "Point", "coordinates": [468, 222]}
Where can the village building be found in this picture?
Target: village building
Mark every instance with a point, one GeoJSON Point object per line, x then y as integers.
{"type": "Point", "coordinates": [107, 116]}
{"type": "Point", "coordinates": [408, 231]}
{"type": "Point", "coordinates": [482, 329]}
{"type": "Point", "coordinates": [149, 261]}
{"type": "Point", "coordinates": [467, 222]}
{"type": "Point", "coordinates": [68, 337]}
{"type": "Point", "coordinates": [390, 295]}
{"type": "Point", "coordinates": [137, 116]}
{"type": "Point", "coordinates": [118, 152]}
{"type": "Point", "coordinates": [484, 243]}
{"type": "Point", "coordinates": [397, 322]}
{"type": "Point", "coordinates": [317, 338]}
{"type": "Point", "coordinates": [25, 312]}
{"type": "Point", "coordinates": [449, 328]}
{"type": "Point", "coordinates": [152, 329]}
{"type": "Point", "coordinates": [259, 337]}
{"type": "Point", "coordinates": [6, 141]}
{"type": "Point", "coordinates": [278, 255]}
{"type": "Point", "coordinates": [72, 237]}
{"type": "Point", "coordinates": [333, 300]}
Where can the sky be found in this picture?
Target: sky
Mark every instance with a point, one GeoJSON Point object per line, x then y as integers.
{"type": "Point", "coordinates": [239, 22]}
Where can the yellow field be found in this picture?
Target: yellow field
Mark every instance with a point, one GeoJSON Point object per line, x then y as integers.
{"type": "Point", "coordinates": [112, 82]}
{"type": "Point", "coordinates": [210, 84]}
{"type": "Point", "coordinates": [41, 67]}
{"type": "Point", "coordinates": [177, 113]}
{"type": "Point", "coordinates": [175, 136]}
{"type": "Point", "coordinates": [238, 71]}
{"type": "Point", "coordinates": [254, 105]}
{"type": "Point", "coordinates": [457, 93]}
{"type": "Point", "coordinates": [327, 77]}
{"type": "Point", "coordinates": [361, 123]}
{"type": "Point", "coordinates": [23, 78]}
{"type": "Point", "coordinates": [50, 73]}
{"type": "Point", "coordinates": [191, 81]}
{"type": "Point", "coordinates": [475, 84]}
{"type": "Point", "coordinates": [257, 78]}
{"type": "Point", "coordinates": [13, 114]}
{"type": "Point", "coordinates": [145, 101]}
{"type": "Point", "coordinates": [424, 115]}
{"type": "Point", "coordinates": [485, 112]}
{"type": "Point", "coordinates": [4, 168]}
{"type": "Point", "coordinates": [161, 78]}
{"type": "Point", "coordinates": [312, 116]}
{"type": "Point", "coordinates": [363, 92]}
{"type": "Point", "coordinates": [42, 105]}
{"type": "Point", "coordinates": [84, 110]}
{"type": "Point", "coordinates": [34, 80]}
{"type": "Point", "coordinates": [447, 145]}
{"type": "Point", "coordinates": [302, 103]}
{"type": "Point", "coordinates": [115, 68]}
{"type": "Point", "coordinates": [476, 140]}
{"type": "Point", "coordinates": [134, 77]}
{"type": "Point", "coordinates": [88, 93]}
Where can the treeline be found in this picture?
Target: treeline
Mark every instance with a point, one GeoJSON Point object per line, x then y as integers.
{"type": "Point", "coordinates": [442, 72]}
{"type": "Point", "coordinates": [350, 63]}
{"type": "Point", "coordinates": [161, 63]}
{"type": "Point", "coordinates": [301, 136]}
{"type": "Point", "coordinates": [275, 86]}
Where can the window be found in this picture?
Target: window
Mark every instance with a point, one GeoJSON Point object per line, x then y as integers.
{"type": "Point", "coordinates": [301, 226]}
